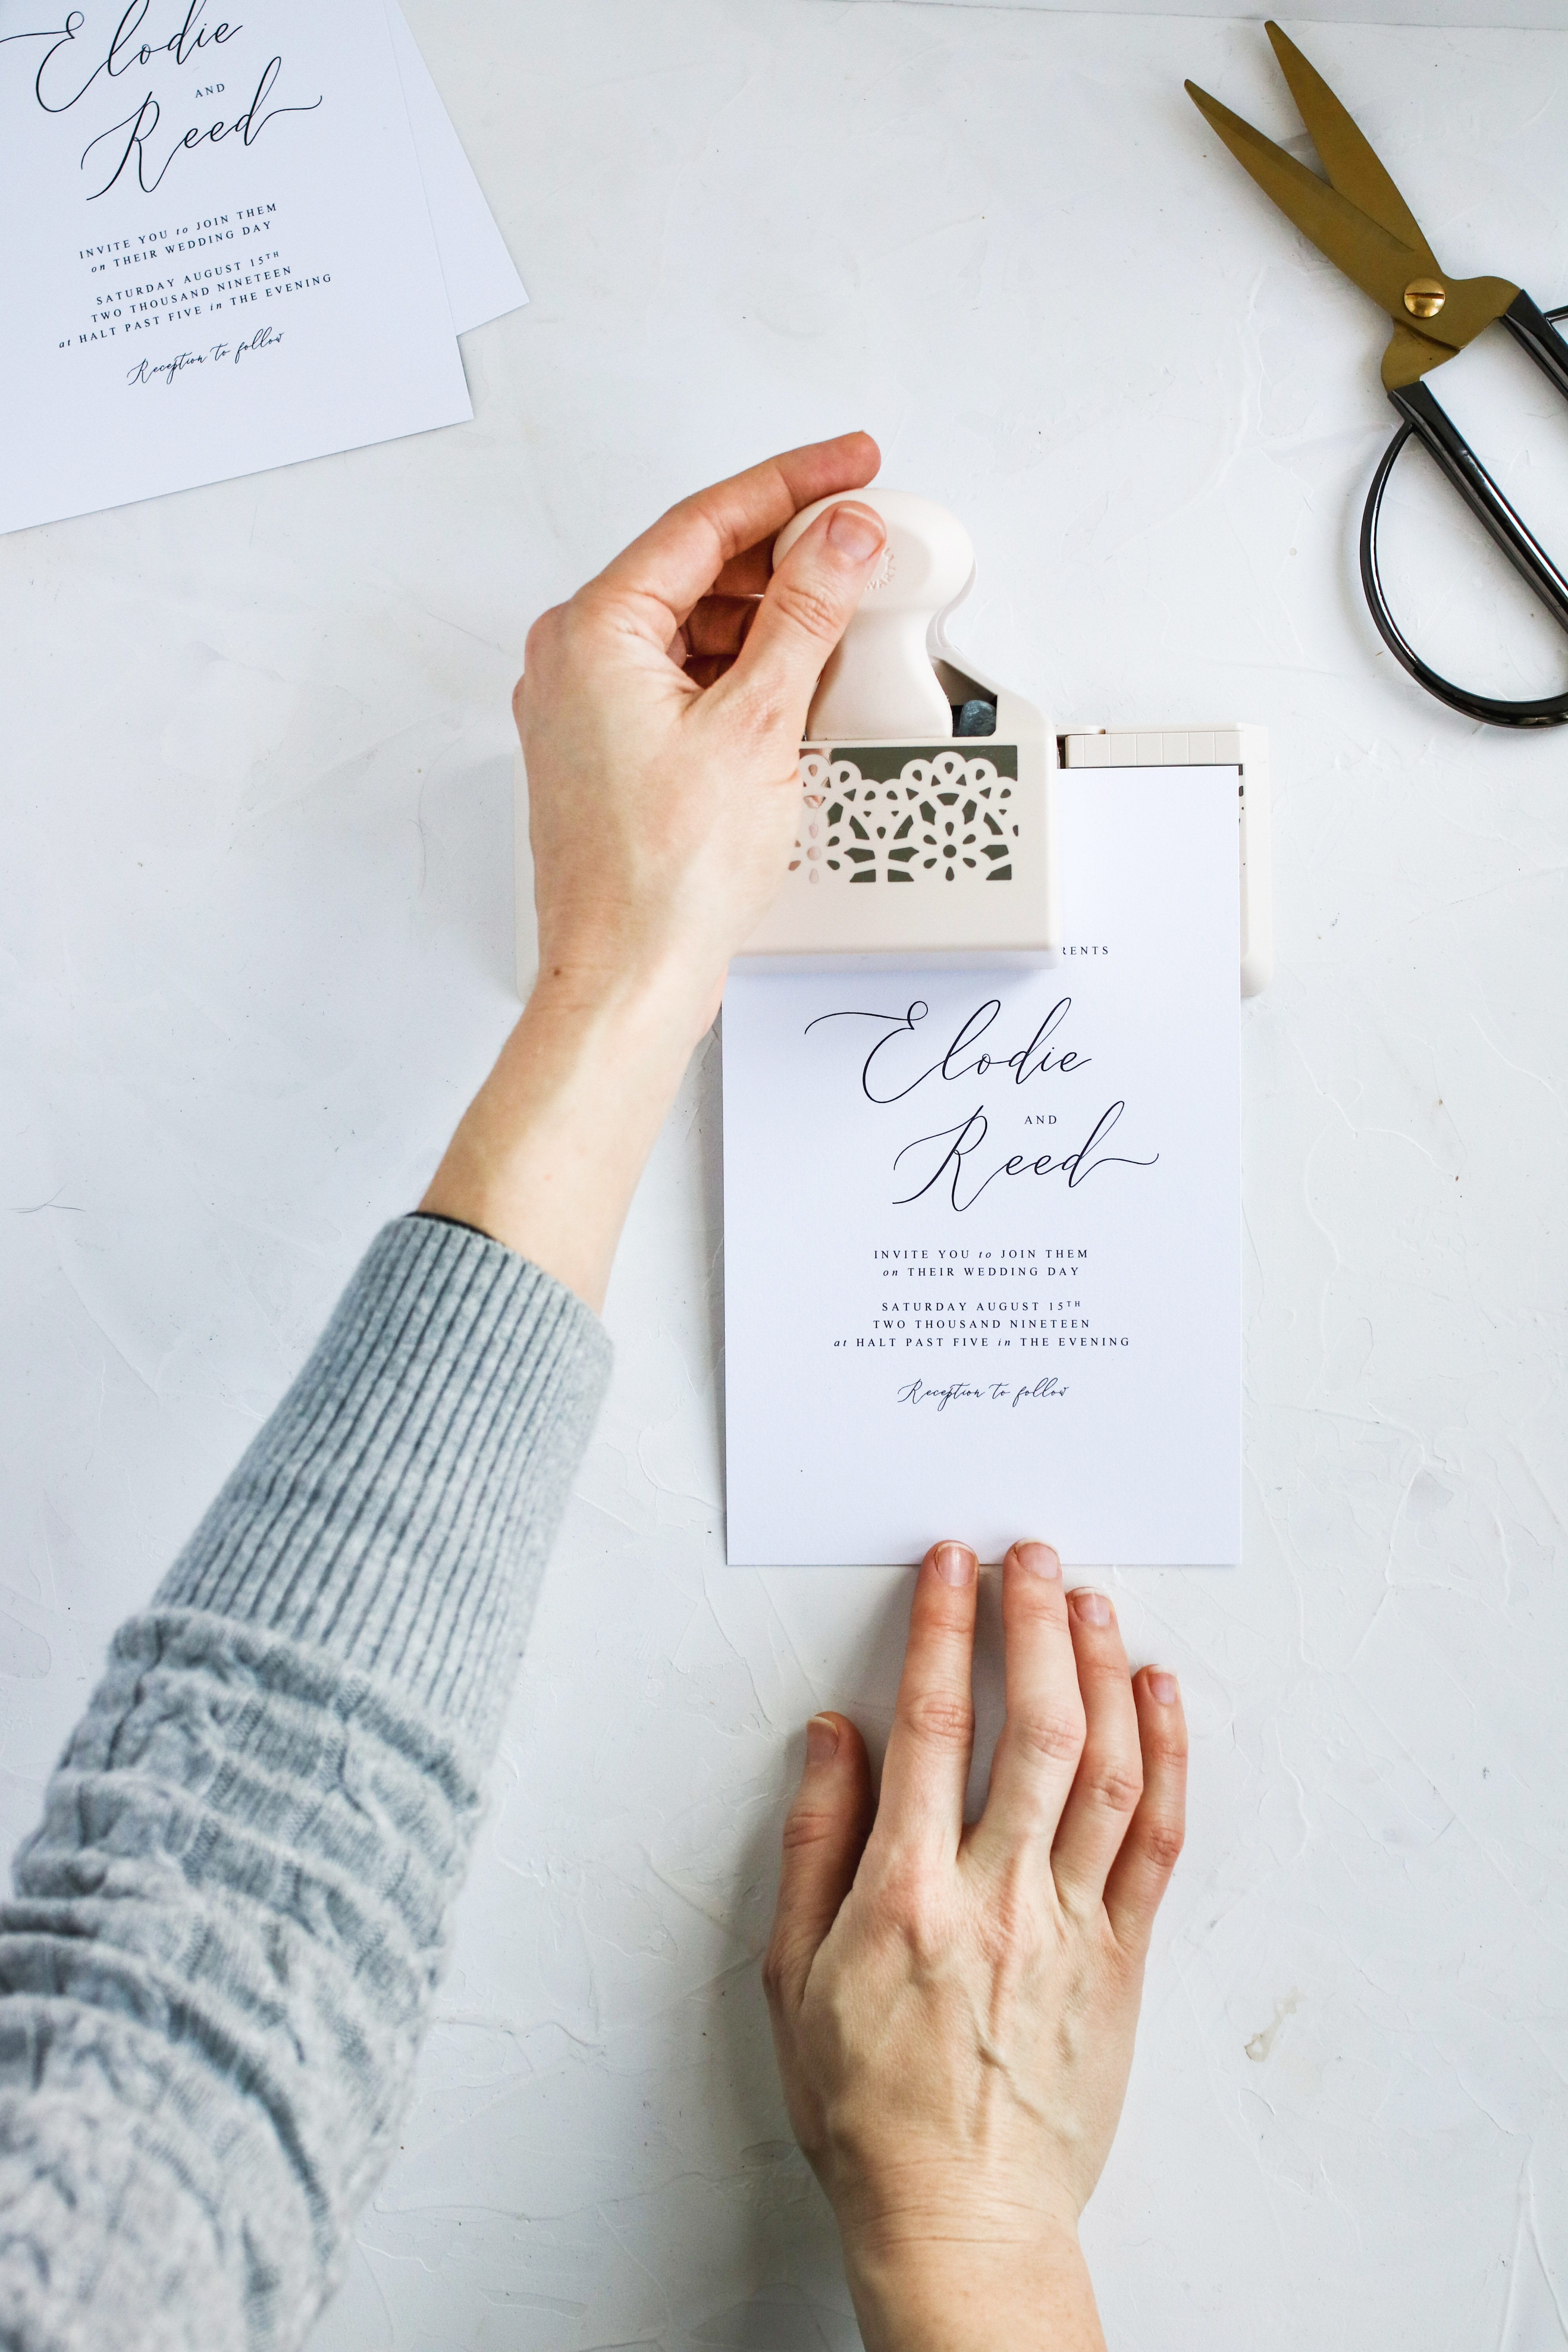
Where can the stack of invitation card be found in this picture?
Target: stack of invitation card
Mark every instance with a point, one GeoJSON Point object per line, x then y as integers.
{"type": "Point", "coordinates": [236, 241]}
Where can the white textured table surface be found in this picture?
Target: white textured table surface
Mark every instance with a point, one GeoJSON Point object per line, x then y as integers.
{"type": "Point", "coordinates": [254, 939]}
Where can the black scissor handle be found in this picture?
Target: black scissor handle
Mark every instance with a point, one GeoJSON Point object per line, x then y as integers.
{"type": "Point", "coordinates": [1436, 429]}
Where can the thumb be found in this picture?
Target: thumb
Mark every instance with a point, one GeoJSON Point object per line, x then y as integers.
{"type": "Point", "coordinates": [825, 1833]}
{"type": "Point", "coordinates": [806, 609]}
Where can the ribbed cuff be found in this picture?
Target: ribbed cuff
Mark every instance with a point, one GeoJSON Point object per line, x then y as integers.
{"type": "Point", "coordinates": [397, 1509]}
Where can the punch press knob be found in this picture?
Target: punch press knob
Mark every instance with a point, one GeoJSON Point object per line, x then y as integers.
{"type": "Point", "coordinates": [878, 684]}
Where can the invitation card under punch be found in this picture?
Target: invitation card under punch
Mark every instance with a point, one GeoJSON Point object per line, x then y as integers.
{"type": "Point", "coordinates": [982, 1156]}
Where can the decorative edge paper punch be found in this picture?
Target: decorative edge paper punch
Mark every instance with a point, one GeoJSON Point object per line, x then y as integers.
{"type": "Point", "coordinates": [927, 829]}
{"type": "Point", "coordinates": [927, 793]}
{"type": "Point", "coordinates": [927, 833]}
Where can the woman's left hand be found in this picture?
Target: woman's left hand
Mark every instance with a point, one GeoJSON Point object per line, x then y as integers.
{"type": "Point", "coordinates": [953, 2007]}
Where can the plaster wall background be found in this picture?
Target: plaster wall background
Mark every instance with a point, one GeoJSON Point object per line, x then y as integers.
{"type": "Point", "coordinates": [255, 950]}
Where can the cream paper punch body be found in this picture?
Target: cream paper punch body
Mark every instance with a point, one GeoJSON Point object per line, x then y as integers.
{"type": "Point", "coordinates": [926, 829]}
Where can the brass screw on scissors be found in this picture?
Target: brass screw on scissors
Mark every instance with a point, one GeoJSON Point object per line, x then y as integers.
{"type": "Point", "coordinates": [1361, 222]}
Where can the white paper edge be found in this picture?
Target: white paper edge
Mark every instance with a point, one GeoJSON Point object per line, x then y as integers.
{"type": "Point", "coordinates": [482, 282]}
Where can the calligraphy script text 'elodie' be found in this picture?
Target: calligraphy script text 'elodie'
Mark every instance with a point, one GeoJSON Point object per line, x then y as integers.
{"type": "Point", "coordinates": [62, 64]}
{"type": "Point", "coordinates": [1039, 1059]}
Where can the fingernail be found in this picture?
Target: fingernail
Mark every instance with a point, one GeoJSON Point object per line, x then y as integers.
{"type": "Point", "coordinates": [855, 532]}
{"type": "Point", "coordinates": [1092, 1607]}
{"type": "Point", "coordinates": [954, 1563]}
{"type": "Point", "coordinates": [1039, 1557]}
{"type": "Point", "coordinates": [1163, 1687]}
{"type": "Point", "coordinates": [821, 1739]}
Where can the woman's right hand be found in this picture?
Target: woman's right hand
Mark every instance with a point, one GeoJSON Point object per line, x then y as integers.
{"type": "Point", "coordinates": [661, 713]}
{"type": "Point", "coordinates": [953, 2007]}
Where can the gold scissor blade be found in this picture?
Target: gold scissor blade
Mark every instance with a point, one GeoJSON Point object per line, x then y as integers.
{"type": "Point", "coordinates": [1382, 265]}
{"type": "Point", "coordinates": [1347, 153]}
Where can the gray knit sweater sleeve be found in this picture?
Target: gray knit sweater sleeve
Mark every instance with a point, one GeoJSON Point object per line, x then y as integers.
{"type": "Point", "coordinates": [225, 1933]}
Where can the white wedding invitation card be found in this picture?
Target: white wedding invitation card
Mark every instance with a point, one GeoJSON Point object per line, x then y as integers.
{"type": "Point", "coordinates": [982, 1230]}
{"type": "Point", "coordinates": [221, 254]}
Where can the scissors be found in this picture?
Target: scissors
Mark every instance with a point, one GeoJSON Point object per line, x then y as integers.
{"type": "Point", "coordinates": [1361, 222]}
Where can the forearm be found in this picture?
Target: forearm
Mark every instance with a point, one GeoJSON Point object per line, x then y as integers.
{"type": "Point", "coordinates": [940, 2294]}
{"type": "Point", "coordinates": [549, 1155]}
{"type": "Point", "coordinates": [395, 1514]}
{"type": "Point", "coordinates": [214, 1976]}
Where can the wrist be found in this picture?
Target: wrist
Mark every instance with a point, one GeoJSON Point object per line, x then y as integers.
{"type": "Point", "coordinates": [614, 1008]}
{"type": "Point", "coordinates": [933, 2288]}
{"type": "Point", "coordinates": [549, 1153]}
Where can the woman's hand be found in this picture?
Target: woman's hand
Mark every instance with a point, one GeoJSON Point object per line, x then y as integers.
{"type": "Point", "coordinates": [953, 2007]}
{"type": "Point", "coordinates": [661, 713]}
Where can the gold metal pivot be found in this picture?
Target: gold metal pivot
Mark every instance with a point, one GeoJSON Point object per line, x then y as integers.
{"type": "Point", "coordinates": [1425, 296]}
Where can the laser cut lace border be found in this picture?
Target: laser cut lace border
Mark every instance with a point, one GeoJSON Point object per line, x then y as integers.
{"type": "Point", "coordinates": [939, 820]}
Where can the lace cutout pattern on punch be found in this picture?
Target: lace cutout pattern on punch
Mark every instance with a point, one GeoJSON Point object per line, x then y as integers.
{"type": "Point", "coordinates": [940, 818]}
